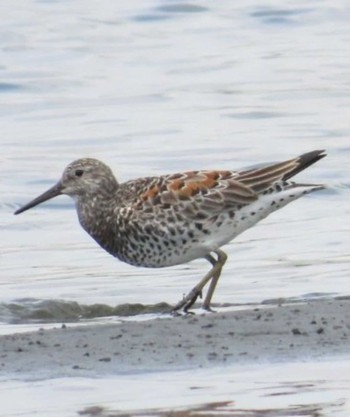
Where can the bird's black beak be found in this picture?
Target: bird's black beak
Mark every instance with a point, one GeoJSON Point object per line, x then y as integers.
{"type": "Point", "coordinates": [47, 195]}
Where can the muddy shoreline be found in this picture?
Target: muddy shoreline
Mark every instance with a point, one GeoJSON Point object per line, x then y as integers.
{"type": "Point", "coordinates": [294, 332]}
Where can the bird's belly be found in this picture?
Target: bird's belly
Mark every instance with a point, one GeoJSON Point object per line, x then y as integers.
{"type": "Point", "coordinates": [163, 253]}
{"type": "Point", "coordinates": [193, 242]}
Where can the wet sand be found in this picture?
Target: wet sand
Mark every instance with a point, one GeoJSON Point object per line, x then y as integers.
{"type": "Point", "coordinates": [295, 332]}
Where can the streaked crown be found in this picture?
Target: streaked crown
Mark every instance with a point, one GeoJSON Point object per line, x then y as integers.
{"type": "Point", "coordinates": [87, 175]}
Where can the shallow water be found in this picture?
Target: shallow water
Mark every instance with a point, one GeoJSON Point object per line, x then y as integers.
{"type": "Point", "coordinates": [314, 389]}
{"type": "Point", "coordinates": [165, 86]}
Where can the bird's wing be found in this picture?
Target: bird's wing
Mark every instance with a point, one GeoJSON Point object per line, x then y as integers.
{"type": "Point", "coordinates": [207, 193]}
{"type": "Point", "coordinates": [198, 193]}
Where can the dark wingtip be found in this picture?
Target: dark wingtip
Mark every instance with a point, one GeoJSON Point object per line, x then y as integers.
{"type": "Point", "coordinates": [309, 158]}
{"type": "Point", "coordinates": [313, 155]}
{"type": "Point", "coordinates": [305, 160]}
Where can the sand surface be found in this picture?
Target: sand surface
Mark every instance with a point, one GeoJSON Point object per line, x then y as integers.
{"type": "Point", "coordinates": [302, 331]}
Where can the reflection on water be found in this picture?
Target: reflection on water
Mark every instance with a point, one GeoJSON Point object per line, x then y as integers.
{"type": "Point", "coordinates": [219, 409]}
{"type": "Point", "coordinates": [212, 409]}
{"type": "Point", "coordinates": [311, 389]}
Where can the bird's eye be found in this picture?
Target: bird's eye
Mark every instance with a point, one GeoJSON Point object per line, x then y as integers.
{"type": "Point", "coordinates": [79, 172]}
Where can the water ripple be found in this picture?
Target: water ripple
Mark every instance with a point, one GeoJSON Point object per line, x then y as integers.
{"type": "Point", "coordinates": [52, 311]}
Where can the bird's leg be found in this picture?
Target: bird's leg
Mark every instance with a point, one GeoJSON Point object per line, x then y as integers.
{"type": "Point", "coordinates": [196, 291]}
{"type": "Point", "coordinates": [222, 257]}
{"type": "Point", "coordinates": [213, 261]}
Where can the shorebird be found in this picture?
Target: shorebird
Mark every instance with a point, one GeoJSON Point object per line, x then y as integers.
{"type": "Point", "coordinates": [172, 219]}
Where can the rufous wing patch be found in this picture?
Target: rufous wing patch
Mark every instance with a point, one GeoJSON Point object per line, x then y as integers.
{"type": "Point", "coordinates": [193, 182]}
{"type": "Point", "coordinates": [150, 193]}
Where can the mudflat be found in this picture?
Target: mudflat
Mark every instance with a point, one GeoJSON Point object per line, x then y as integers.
{"type": "Point", "coordinates": [282, 333]}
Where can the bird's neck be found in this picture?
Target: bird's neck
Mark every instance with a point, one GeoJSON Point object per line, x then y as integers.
{"type": "Point", "coordinates": [96, 216]}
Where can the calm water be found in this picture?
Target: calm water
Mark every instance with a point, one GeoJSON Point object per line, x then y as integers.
{"type": "Point", "coordinates": [306, 389]}
{"type": "Point", "coordinates": [160, 86]}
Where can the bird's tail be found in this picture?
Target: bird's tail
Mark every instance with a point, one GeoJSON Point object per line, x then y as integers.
{"type": "Point", "coordinates": [260, 179]}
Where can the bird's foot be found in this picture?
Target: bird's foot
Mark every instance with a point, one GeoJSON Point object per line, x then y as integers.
{"type": "Point", "coordinates": [208, 308]}
{"type": "Point", "coordinates": [175, 313]}
{"type": "Point", "coordinates": [187, 302]}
